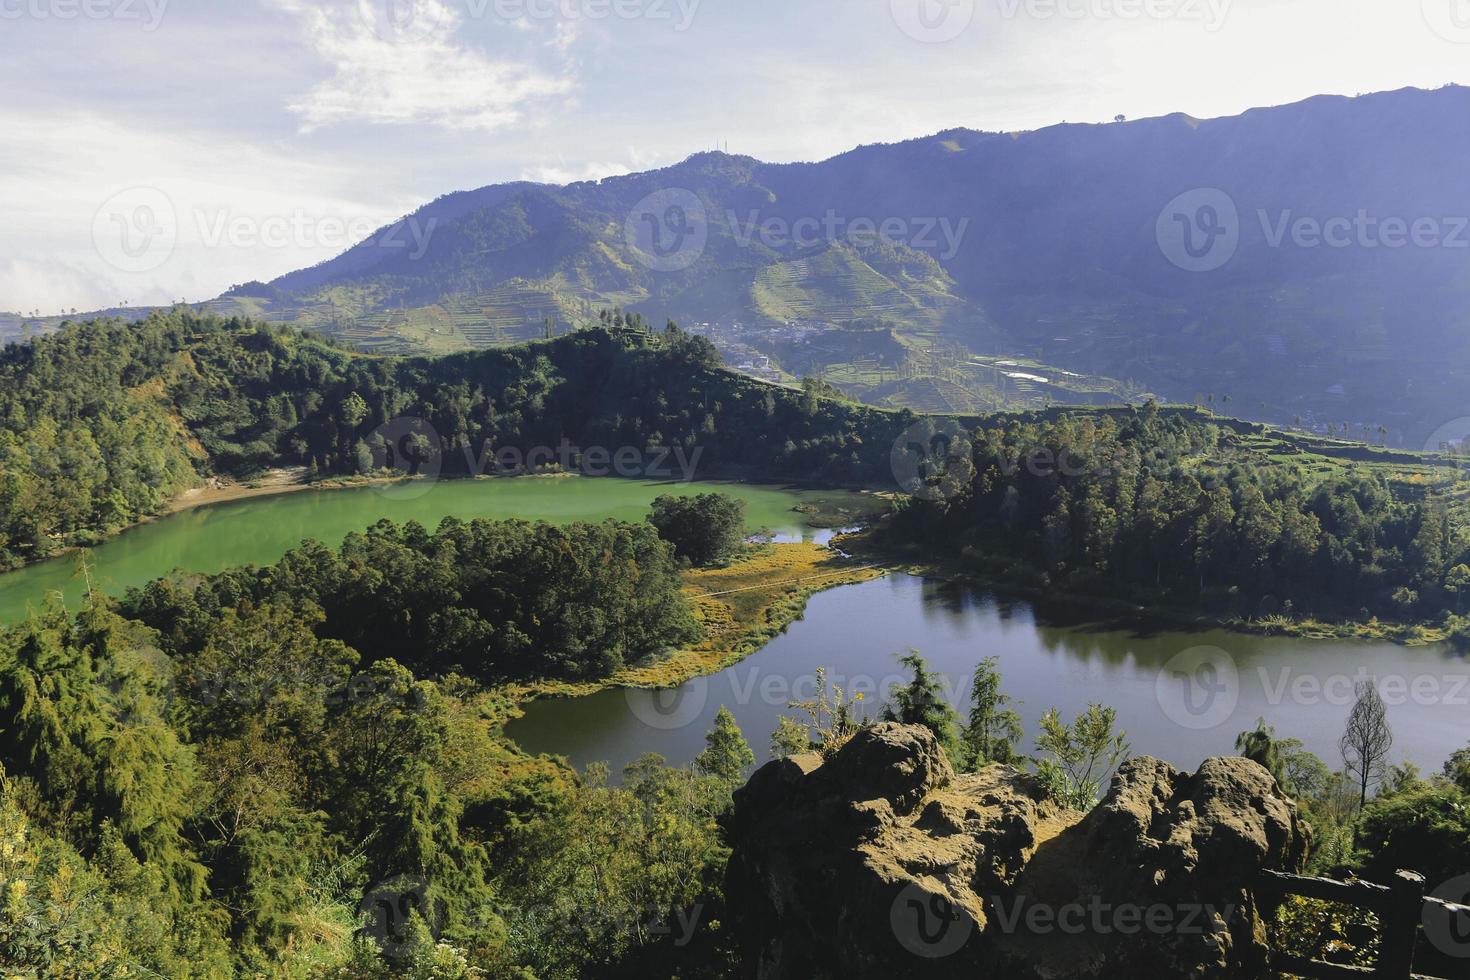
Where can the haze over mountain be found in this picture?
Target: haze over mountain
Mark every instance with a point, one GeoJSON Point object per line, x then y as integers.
{"type": "Point", "coordinates": [1324, 273]}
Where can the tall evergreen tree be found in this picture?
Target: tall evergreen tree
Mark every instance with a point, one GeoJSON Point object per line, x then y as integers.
{"type": "Point", "coordinates": [922, 702]}
{"type": "Point", "coordinates": [727, 756]}
{"type": "Point", "coordinates": [994, 727]}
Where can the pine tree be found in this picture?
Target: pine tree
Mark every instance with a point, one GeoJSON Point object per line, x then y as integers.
{"type": "Point", "coordinates": [921, 702]}
{"type": "Point", "coordinates": [790, 738]}
{"type": "Point", "coordinates": [994, 727]}
{"type": "Point", "coordinates": [727, 756]}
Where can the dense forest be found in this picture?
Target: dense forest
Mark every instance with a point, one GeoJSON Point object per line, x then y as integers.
{"type": "Point", "coordinates": [298, 770]}
{"type": "Point", "coordinates": [106, 421]}
{"type": "Point", "coordinates": [495, 600]}
{"type": "Point", "coordinates": [268, 785]}
{"type": "Point", "coordinates": [1147, 503]}
{"type": "Point", "coordinates": [243, 794]}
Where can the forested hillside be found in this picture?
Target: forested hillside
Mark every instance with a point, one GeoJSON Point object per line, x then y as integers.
{"type": "Point", "coordinates": [110, 421]}
{"type": "Point", "coordinates": [1152, 504]}
{"type": "Point", "coordinates": [107, 421]}
{"type": "Point", "coordinates": [1000, 266]}
{"type": "Point", "coordinates": [89, 442]}
{"type": "Point", "coordinates": [298, 770]}
{"type": "Point", "coordinates": [244, 794]}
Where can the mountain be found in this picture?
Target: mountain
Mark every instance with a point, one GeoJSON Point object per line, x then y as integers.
{"type": "Point", "coordinates": [967, 270]}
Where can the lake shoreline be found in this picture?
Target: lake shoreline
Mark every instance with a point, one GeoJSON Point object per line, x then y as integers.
{"type": "Point", "coordinates": [1111, 613]}
{"type": "Point", "coordinates": [216, 492]}
{"type": "Point", "coordinates": [280, 481]}
{"type": "Point", "coordinates": [742, 635]}
{"type": "Point", "coordinates": [1119, 612]}
{"type": "Point", "coordinates": [1304, 688]}
{"type": "Point", "coordinates": [274, 485]}
{"type": "Point", "coordinates": [261, 522]}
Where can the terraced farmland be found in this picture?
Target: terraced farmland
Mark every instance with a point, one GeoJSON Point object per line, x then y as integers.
{"type": "Point", "coordinates": [508, 314]}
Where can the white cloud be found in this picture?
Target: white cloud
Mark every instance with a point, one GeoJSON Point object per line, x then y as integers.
{"type": "Point", "coordinates": [565, 34]}
{"type": "Point", "coordinates": [42, 285]}
{"type": "Point", "coordinates": [398, 62]}
{"type": "Point", "coordinates": [562, 172]}
{"type": "Point", "coordinates": [226, 211]}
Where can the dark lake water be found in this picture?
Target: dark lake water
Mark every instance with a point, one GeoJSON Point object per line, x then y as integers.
{"type": "Point", "coordinates": [1181, 696]}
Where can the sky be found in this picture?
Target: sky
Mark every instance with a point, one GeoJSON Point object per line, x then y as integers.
{"type": "Point", "coordinates": [253, 137]}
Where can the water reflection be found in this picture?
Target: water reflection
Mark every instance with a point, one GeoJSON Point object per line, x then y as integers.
{"type": "Point", "coordinates": [1048, 657]}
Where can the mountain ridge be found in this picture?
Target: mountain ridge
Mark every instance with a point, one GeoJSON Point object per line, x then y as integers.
{"type": "Point", "coordinates": [1003, 267]}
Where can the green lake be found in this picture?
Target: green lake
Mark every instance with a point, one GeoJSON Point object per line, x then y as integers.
{"type": "Point", "coordinates": [262, 529]}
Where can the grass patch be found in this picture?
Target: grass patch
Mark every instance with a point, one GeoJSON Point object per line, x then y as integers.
{"type": "Point", "coordinates": [1408, 634]}
{"type": "Point", "coordinates": [833, 513]}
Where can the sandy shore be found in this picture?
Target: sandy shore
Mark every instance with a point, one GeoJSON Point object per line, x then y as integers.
{"type": "Point", "coordinates": [292, 479]}
{"type": "Point", "coordinates": [269, 484]}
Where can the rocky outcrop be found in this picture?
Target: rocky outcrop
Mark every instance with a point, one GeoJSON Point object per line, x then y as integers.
{"type": "Point", "coordinates": [884, 863]}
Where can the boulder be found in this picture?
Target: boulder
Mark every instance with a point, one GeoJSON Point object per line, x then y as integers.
{"type": "Point", "coordinates": [1161, 873]}
{"type": "Point", "coordinates": [882, 862]}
